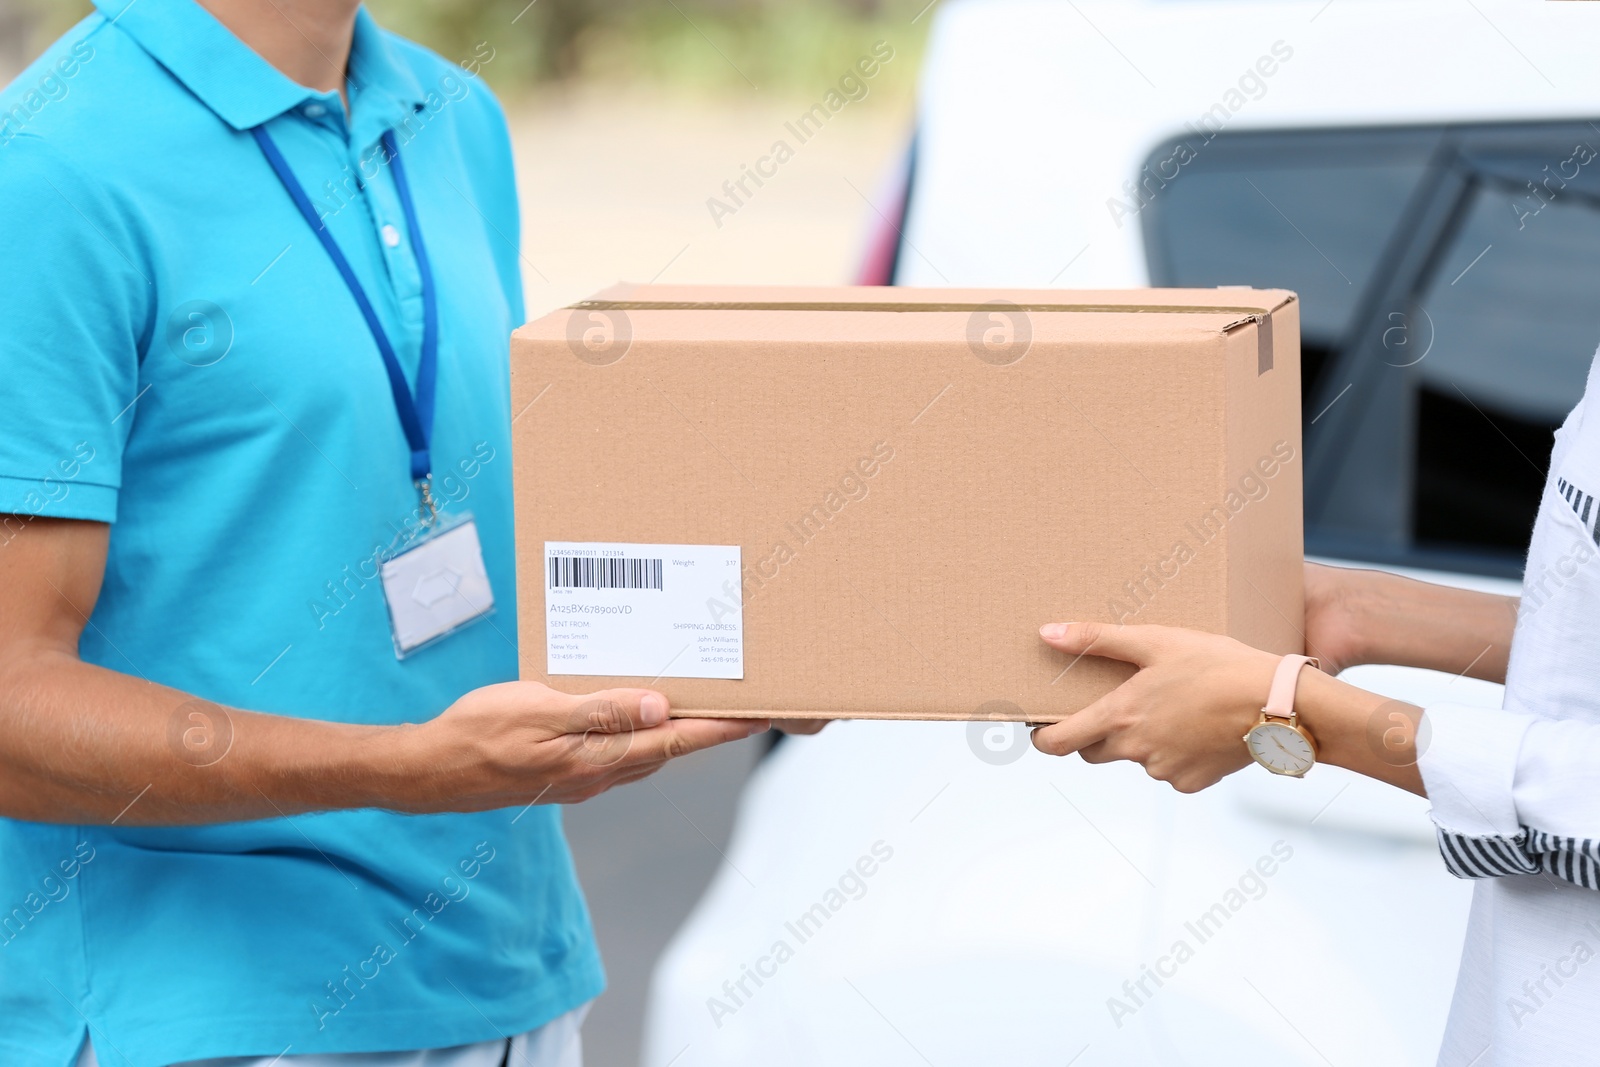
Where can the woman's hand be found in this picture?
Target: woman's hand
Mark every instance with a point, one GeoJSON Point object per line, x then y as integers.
{"type": "Point", "coordinates": [1183, 716]}
{"type": "Point", "coordinates": [1364, 616]}
{"type": "Point", "coordinates": [1335, 627]}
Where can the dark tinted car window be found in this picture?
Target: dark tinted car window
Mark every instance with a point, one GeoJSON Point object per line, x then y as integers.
{"type": "Point", "coordinates": [1450, 297]}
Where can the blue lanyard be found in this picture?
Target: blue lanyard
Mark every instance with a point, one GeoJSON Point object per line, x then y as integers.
{"type": "Point", "coordinates": [416, 414]}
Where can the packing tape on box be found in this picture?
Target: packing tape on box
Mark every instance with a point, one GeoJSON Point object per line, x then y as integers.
{"type": "Point", "coordinates": [1261, 317]}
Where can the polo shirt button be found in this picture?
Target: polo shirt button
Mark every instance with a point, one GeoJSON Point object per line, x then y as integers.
{"type": "Point", "coordinates": [391, 236]}
{"type": "Point", "coordinates": [314, 111]}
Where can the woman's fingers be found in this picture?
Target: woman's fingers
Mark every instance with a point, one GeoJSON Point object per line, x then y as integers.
{"type": "Point", "coordinates": [1077, 731]}
{"type": "Point", "coordinates": [1182, 713]}
{"type": "Point", "coordinates": [1132, 644]}
{"type": "Point", "coordinates": [1099, 752]}
{"type": "Point", "coordinates": [1090, 731]}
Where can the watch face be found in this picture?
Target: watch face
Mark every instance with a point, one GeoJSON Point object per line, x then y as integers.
{"type": "Point", "coordinates": [1280, 749]}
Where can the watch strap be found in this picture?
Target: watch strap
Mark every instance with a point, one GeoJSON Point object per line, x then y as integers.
{"type": "Point", "coordinates": [1280, 698]}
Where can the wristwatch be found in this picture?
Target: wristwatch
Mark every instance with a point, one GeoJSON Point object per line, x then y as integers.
{"type": "Point", "coordinates": [1278, 742]}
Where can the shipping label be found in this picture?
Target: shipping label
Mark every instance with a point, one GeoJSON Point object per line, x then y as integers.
{"type": "Point", "coordinates": [647, 611]}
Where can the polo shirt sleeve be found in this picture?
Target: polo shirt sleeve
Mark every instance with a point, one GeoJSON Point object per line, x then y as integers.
{"type": "Point", "coordinates": [74, 316]}
{"type": "Point", "coordinates": [1513, 794]}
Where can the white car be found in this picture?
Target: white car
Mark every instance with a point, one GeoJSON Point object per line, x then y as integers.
{"type": "Point", "coordinates": [1421, 173]}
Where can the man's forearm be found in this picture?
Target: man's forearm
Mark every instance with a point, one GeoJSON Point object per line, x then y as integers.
{"type": "Point", "coordinates": [82, 744]}
{"type": "Point", "coordinates": [1418, 624]}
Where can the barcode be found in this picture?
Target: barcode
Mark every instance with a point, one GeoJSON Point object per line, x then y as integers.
{"type": "Point", "coordinates": [569, 572]}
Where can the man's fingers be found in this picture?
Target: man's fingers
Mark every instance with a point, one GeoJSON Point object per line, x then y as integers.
{"type": "Point", "coordinates": [800, 726]}
{"type": "Point", "coordinates": [679, 737]}
{"type": "Point", "coordinates": [620, 729]}
{"type": "Point", "coordinates": [617, 711]}
{"type": "Point", "coordinates": [1075, 732]}
{"type": "Point", "coordinates": [634, 774]}
{"type": "Point", "coordinates": [1133, 644]}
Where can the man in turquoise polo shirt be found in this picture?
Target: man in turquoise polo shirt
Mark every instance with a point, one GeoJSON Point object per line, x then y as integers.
{"type": "Point", "coordinates": [258, 268]}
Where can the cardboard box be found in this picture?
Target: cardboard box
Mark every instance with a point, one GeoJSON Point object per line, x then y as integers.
{"type": "Point", "coordinates": [913, 481]}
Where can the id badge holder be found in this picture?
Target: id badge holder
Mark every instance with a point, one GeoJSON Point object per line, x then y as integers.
{"type": "Point", "coordinates": [435, 584]}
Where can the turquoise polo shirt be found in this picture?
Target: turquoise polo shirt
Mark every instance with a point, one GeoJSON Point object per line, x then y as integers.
{"type": "Point", "coordinates": [179, 358]}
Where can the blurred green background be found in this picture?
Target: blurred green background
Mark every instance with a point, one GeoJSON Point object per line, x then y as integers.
{"type": "Point", "coordinates": [696, 45]}
{"type": "Point", "coordinates": [628, 116]}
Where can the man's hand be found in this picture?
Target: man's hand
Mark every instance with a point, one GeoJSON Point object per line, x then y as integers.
{"type": "Point", "coordinates": [800, 726]}
{"type": "Point", "coordinates": [525, 743]}
{"type": "Point", "coordinates": [84, 744]}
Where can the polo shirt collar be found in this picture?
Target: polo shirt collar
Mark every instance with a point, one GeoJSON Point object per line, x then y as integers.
{"type": "Point", "coordinates": [242, 88]}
